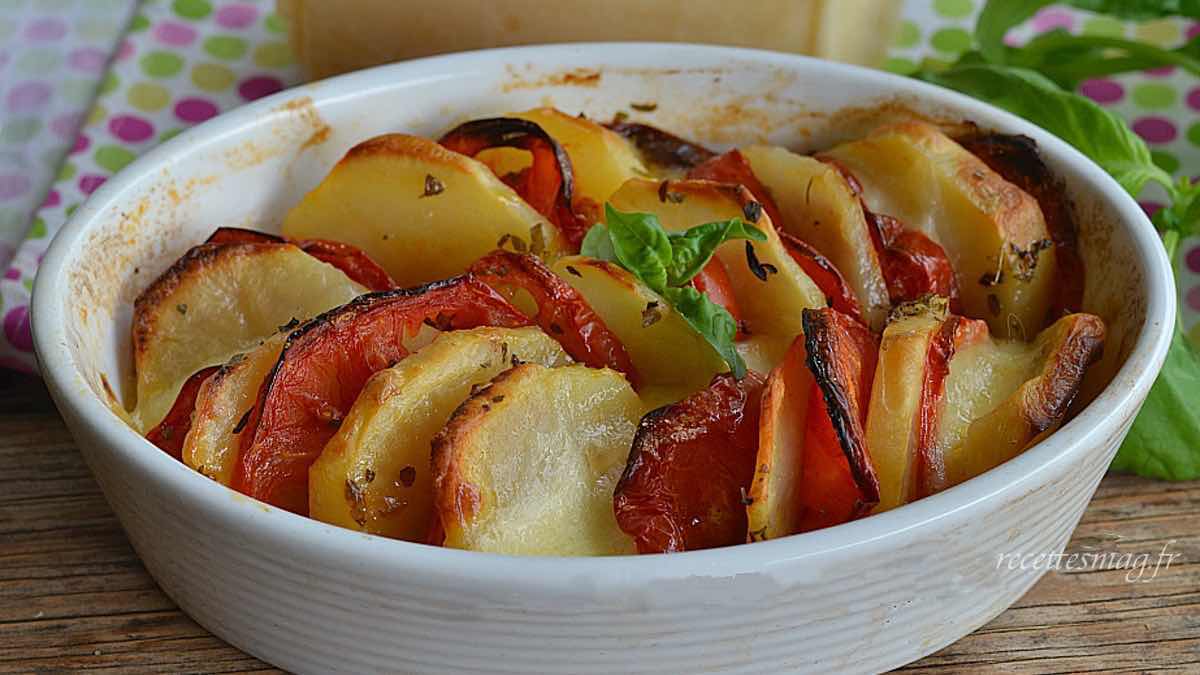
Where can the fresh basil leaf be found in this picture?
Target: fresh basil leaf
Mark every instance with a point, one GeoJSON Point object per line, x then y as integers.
{"type": "Point", "coordinates": [711, 321]}
{"type": "Point", "coordinates": [997, 18]}
{"type": "Point", "coordinates": [666, 262]}
{"type": "Point", "coordinates": [691, 250]}
{"type": "Point", "coordinates": [1069, 59]}
{"type": "Point", "coordinates": [1140, 10]}
{"type": "Point", "coordinates": [598, 244]}
{"type": "Point", "coordinates": [1182, 216]}
{"type": "Point", "coordinates": [1078, 120]}
{"type": "Point", "coordinates": [1164, 441]}
{"type": "Point", "coordinates": [640, 244]}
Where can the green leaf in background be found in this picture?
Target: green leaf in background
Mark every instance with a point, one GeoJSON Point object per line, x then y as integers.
{"type": "Point", "coordinates": [1094, 131]}
{"type": "Point", "coordinates": [1140, 10]}
{"type": "Point", "coordinates": [1182, 215]}
{"type": "Point", "coordinates": [711, 321]}
{"type": "Point", "coordinates": [1164, 441]}
{"type": "Point", "coordinates": [1070, 59]}
{"type": "Point", "coordinates": [996, 19]}
{"type": "Point", "coordinates": [691, 250]}
{"type": "Point", "coordinates": [1000, 16]}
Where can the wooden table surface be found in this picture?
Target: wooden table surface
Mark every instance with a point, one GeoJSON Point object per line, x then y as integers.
{"type": "Point", "coordinates": [74, 596]}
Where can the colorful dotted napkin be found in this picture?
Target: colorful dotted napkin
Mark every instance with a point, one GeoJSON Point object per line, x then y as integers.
{"type": "Point", "coordinates": [52, 55]}
{"type": "Point", "coordinates": [183, 61]}
{"type": "Point", "coordinates": [180, 63]}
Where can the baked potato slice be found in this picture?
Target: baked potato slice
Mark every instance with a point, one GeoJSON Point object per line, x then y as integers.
{"type": "Point", "coordinates": [223, 409]}
{"type": "Point", "coordinates": [818, 206]}
{"type": "Point", "coordinates": [219, 300]}
{"type": "Point", "coordinates": [351, 260]}
{"type": "Point", "coordinates": [325, 364]}
{"type": "Point", "coordinates": [374, 475]}
{"type": "Point", "coordinates": [914, 356]}
{"type": "Point", "coordinates": [975, 402]}
{"type": "Point", "coordinates": [1016, 158]}
{"type": "Point", "coordinates": [670, 357]}
{"type": "Point", "coordinates": [992, 231]}
{"type": "Point", "coordinates": [775, 504]}
{"type": "Point", "coordinates": [421, 211]}
{"type": "Point", "coordinates": [601, 159]}
{"type": "Point", "coordinates": [174, 428]}
{"type": "Point", "coordinates": [527, 465]}
{"type": "Point", "coordinates": [771, 305]}
{"type": "Point", "coordinates": [1002, 396]}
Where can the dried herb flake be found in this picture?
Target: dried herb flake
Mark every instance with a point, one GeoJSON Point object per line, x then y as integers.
{"type": "Point", "coordinates": [433, 186]}
{"type": "Point", "coordinates": [760, 269]}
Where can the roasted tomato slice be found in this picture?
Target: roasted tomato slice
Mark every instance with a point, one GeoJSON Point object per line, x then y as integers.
{"type": "Point", "coordinates": [732, 167]}
{"type": "Point", "coordinates": [913, 264]}
{"type": "Point", "coordinates": [713, 281]}
{"type": "Point", "coordinates": [240, 235]}
{"type": "Point", "coordinates": [325, 364]}
{"type": "Point", "coordinates": [930, 465]}
{"type": "Point", "coordinates": [173, 429]}
{"type": "Point", "coordinates": [1016, 159]}
{"type": "Point", "coordinates": [660, 148]}
{"type": "Point", "coordinates": [839, 481]}
{"type": "Point", "coordinates": [547, 185]}
{"type": "Point", "coordinates": [689, 469]}
{"type": "Point", "coordinates": [351, 260]}
{"type": "Point", "coordinates": [561, 311]}
{"type": "Point", "coordinates": [824, 274]}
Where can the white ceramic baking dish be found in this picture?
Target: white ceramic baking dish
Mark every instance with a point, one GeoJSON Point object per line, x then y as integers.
{"type": "Point", "coordinates": [309, 597]}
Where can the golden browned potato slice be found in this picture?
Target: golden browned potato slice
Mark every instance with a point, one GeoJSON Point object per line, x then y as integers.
{"type": "Point", "coordinates": [993, 232]}
{"type": "Point", "coordinates": [914, 355]}
{"type": "Point", "coordinates": [1004, 396]}
{"type": "Point", "coordinates": [949, 402]}
{"type": "Point", "coordinates": [770, 307]}
{"type": "Point", "coordinates": [375, 475]}
{"type": "Point", "coordinates": [219, 300]}
{"type": "Point", "coordinates": [528, 465]}
{"type": "Point", "coordinates": [775, 509]}
{"type": "Point", "coordinates": [421, 211]}
{"type": "Point", "coordinates": [672, 359]}
{"type": "Point", "coordinates": [601, 159]}
{"type": "Point", "coordinates": [820, 207]}
{"type": "Point", "coordinates": [223, 407]}
{"type": "Point", "coordinates": [762, 353]}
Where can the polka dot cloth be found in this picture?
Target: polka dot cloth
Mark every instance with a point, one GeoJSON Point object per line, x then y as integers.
{"type": "Point", "coordinates": [1161, 105]}
{"type": "Point", "coordinates": [52, 55]}
{"type": "Point", "coordinates": [181, 63]}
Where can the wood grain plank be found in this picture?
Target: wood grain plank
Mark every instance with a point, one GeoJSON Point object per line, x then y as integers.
{"type": "Point", "coordinates": [74, 596]}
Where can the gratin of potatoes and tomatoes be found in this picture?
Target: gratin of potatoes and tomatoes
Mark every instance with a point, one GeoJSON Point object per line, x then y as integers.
{"type": "Point", "coordinates": [544, 335]}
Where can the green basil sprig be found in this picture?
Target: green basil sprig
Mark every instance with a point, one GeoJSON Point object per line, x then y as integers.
{"type": "Point", "coordinates": [666, 261]}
